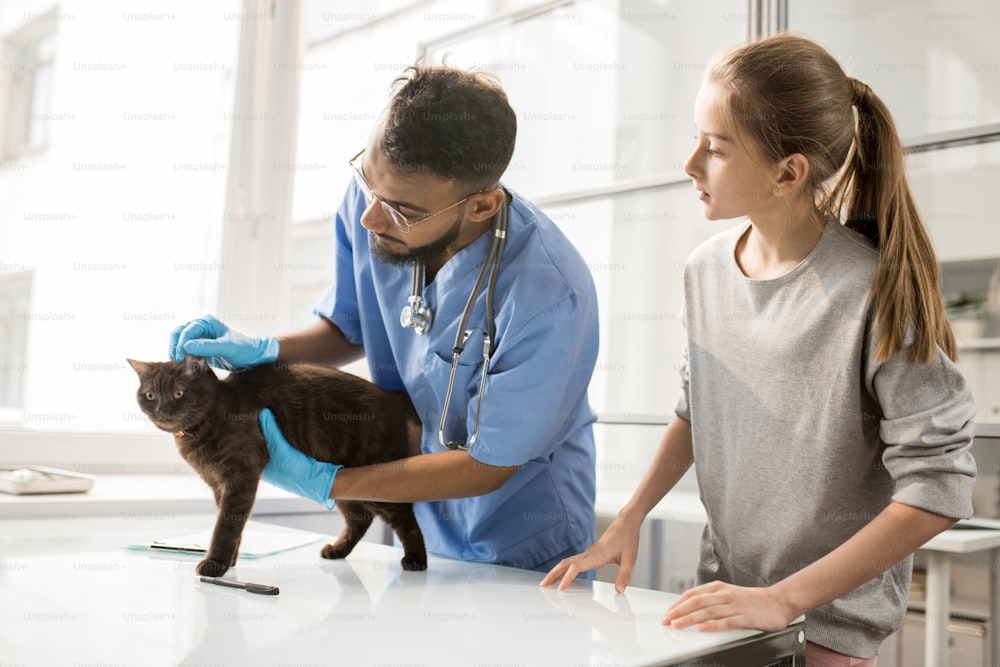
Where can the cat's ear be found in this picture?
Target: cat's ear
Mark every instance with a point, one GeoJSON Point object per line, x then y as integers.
{"type": "Point", "coordinates": [142, 368]}
{"type": "Point", "coordinates": [194, 365]}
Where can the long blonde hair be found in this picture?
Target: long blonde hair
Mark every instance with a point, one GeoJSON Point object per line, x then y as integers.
{"type": "Point", "coordinates": [789, 95]}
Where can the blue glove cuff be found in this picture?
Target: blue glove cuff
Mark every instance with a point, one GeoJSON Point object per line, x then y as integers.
{"type": "Point", "coordinates": [325, 474]}
{"type": "Point", "coordinates": [269, 349]}
{"type": "Point", "coordinates": [312, 483]}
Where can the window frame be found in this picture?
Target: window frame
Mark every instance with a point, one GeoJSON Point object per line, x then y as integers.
{"type": "Point", "coordinates": [21, 85]}
{"type": "Point", "coordinates": [14, 327]}
{"type": "Point", "coordinates": [141, 452]}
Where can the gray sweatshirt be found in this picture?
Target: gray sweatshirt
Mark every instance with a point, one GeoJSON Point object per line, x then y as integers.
{"type": "Point", "coordinates": [801, 437]}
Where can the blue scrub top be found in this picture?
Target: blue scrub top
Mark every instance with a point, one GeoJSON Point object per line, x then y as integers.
{"type": "Point", "coordinates": [535, 410]}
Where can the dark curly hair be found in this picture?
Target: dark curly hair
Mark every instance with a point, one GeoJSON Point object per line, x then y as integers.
{"type": "Point", "coordinates": [455, 124]}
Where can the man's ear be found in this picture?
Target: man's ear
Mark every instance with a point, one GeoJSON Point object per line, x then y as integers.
{"type": "Point", "coordinates": [486, 204]}
{"type": "Point", "coordinates": [792, 174]}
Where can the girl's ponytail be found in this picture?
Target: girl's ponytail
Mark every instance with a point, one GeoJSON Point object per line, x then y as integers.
{"type": "Point", "coordinates": [906, 291]}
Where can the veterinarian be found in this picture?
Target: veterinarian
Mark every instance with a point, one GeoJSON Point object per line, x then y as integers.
{"type": "Point", "coordinates": [508, 476]}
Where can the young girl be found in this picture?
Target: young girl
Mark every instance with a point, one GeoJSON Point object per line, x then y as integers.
{"type": "Point", "coordinates": [829, 427]}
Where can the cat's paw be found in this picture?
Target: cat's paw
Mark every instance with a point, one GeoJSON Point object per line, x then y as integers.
{"type": "Point", "coordinates": [334, 552]}
{"type": "Point", "coordinates": [414, 563]}
{"type": "Point", "coordinates": [211, 568]}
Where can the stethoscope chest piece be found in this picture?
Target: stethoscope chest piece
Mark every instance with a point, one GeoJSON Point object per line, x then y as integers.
{"type": "Point", "coordinates": [416, 315]}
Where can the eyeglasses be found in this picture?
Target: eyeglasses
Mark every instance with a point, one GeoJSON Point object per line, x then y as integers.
{"type": "Point", "coordinates": [399, 221]}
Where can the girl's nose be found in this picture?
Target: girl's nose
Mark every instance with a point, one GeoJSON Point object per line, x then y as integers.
{"type": "Point", "coordinates": [691, 164]}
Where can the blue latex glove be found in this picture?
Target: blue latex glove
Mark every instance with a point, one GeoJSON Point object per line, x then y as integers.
{"type": "Point", "coordinates": [291, 470]}
{"type": "Point", "coordinates": [221, 346]}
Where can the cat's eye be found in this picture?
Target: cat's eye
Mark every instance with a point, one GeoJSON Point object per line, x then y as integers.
{"type": "Point", "coordinates": [178, 394]}
{"type": "Point", "coordinates": [150, 395]}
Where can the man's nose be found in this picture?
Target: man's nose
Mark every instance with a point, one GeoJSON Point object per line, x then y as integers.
{"type": "Point", "coordinates": [375, 219]}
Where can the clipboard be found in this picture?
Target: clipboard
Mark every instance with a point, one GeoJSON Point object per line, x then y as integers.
{"type": "Point", "coordinates": [259, 540]}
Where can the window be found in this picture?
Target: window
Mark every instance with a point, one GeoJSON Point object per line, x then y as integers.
{"type": "Point", "coordinates": [604, 93]}
{"type": "Point", "coordinates": [28, 56]}
{"type": "Point", "coordinates": [326, 19]}
{"type": "Point", "coordinates": [119, 221]}
{"type": "Point", "coordinates": [940, 77]}
{"type": "Point", "coordinates": [122, 221]}
{"type": "Point", "coordinates": [15, 293]}
{"type": "Point", "coordinates": [345, 84]}
{"type": "Point", "coordinates": [935, 63]}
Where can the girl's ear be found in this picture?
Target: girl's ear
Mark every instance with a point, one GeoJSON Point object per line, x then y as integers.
{"type": "Point", "coordinates": [793, 173]}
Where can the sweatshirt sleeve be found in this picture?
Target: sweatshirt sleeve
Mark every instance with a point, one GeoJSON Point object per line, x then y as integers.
{"type": "Point", "coordinates": [683, 407]}
{"type": "Point", "coordinates": [927, 427]}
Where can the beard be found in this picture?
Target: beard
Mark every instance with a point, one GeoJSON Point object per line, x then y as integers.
{"type": "Point", "coordinates": [387, 249]}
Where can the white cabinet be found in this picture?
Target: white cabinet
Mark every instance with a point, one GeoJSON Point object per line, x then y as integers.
{"type": "Point", "coordinates": [970, 292]}
{"type": "Point", "coordinates": [967, 644]}
{"type": "Point", "coordinates": [988, 398]}
{"type": "Point", "coordinates": [979, 361]}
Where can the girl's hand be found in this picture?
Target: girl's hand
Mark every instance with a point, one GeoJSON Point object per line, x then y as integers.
{"type": "Point", "coordinates": [720, 606]}
{"type": "Point", "coordinates": [619, 544]}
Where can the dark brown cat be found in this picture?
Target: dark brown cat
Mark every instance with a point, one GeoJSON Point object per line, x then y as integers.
{"type": "Point", "coordinates": [330, 415]}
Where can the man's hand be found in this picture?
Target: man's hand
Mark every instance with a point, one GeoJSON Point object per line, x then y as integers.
{"type": "Point", "coordinates": [293, 471]}
{"type": "Point", "coordinates": [221, 346]}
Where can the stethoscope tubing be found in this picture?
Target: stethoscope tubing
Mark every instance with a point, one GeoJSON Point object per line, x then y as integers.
{"type": "Point", "coordinates": [489, 337]}
{"type": "Point", "coordinates": [492, 265]}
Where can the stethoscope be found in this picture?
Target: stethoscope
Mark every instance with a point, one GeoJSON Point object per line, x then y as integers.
{"type": "Point", "coordinates": [417, 315]}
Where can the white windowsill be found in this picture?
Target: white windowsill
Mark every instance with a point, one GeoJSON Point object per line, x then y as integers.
{"type": "Point", "coordinates": [140, 497]}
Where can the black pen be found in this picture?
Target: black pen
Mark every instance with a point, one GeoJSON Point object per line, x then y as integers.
{"type": "Point", "coordinates": [263, 589]}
